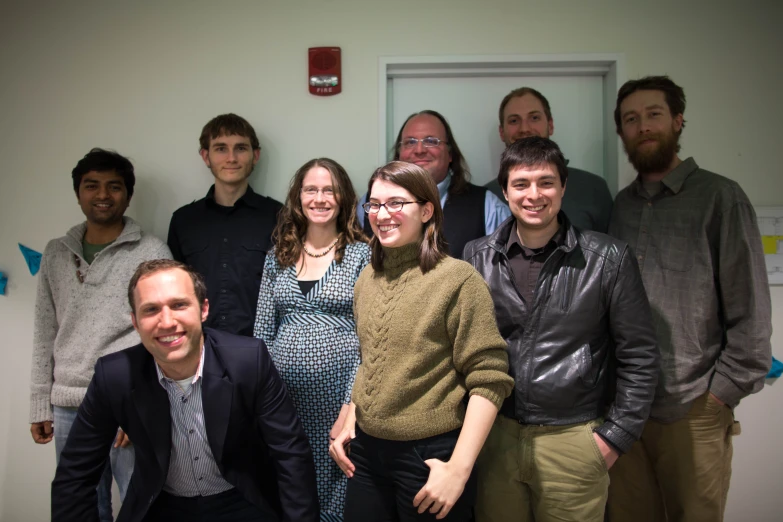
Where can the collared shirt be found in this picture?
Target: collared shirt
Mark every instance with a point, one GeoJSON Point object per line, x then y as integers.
{"type": "Point", "coordinates": [495, 211]}
{"type": "Point", "coordinates": [192, 467]}
{"type": "Point", "coordinates": [699, 251]}
{"type": "Point", "coordinates": [526, 263]}
{"type": "Point", "coordinates": [227, 245]}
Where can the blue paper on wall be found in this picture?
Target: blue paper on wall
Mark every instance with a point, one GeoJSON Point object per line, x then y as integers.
{"type": "Point", "coordinates": [32, 257]}
{"type": "Point", "coordinates": [776, 370]}
{"type": "Point", "coordinates": [3, 282]}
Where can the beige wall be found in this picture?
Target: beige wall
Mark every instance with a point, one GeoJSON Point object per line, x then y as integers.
{"type": "Point", "coordinates": [143, 78]}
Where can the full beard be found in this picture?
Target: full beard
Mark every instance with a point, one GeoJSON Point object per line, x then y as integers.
{"type": "Point", "coordinates": [655, 160]}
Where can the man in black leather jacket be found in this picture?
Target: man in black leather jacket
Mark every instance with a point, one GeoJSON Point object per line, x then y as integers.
{"type": "Point", "coordinates": [582, 350]}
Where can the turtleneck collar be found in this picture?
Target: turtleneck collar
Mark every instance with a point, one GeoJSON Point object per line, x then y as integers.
{"type": "Point", "coordinates": [401, 257]}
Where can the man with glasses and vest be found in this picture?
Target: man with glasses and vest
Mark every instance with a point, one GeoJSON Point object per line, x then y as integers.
{"type": "Point", "coordinates": [469, 211]}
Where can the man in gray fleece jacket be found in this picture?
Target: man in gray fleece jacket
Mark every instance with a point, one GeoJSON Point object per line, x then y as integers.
{"type": "Point", "coordinates": [81, 310]}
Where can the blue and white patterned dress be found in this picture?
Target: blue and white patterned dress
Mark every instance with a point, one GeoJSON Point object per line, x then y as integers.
{"type": "Point", "coordinates": [312, 340]}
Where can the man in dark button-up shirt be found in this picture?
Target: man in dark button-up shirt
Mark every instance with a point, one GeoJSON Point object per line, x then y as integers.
{"type": "Point", "coordinates": [697, 243]}
{"type": "Point", "coordinates": [226, 235]}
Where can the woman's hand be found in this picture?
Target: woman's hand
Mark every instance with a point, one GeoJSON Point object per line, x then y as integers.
{"type": "Point", "coordinates": [339, 450]}
{"type": "Point", "coordinates": [442, 490]}
{"type": "Point", "coordinates": [337, 428]}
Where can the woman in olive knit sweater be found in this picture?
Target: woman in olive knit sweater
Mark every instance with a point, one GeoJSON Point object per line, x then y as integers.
{"type": "Point", "coordinates": [428, 337]}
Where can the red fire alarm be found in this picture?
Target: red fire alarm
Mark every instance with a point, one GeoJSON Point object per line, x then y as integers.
{"type": "Point", "coordinates": [324, 71]}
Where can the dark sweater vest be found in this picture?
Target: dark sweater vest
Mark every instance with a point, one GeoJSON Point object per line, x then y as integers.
{"type": "Point", "coordinates": [463, 219]}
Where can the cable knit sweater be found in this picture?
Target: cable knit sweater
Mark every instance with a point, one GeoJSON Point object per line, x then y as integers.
{"type": "Point", "coordinates": [426, 340]}
{"type": "Point", "coordinates": [75, 323]}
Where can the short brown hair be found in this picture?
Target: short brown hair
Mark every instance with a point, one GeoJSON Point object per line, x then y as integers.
{"type": "Point", "coordinates": [533, 151]}
{"type": "Point", "coordinates": [460, 174]}
{"type": "Point", "coordinates": [675, 96]}
{"type": "Point", "coordinates": [228, 125]}
{"type": "Point", "coordinates": [420, 184]}
{"type": "Point", "coordinates": [159, 265]}
{"type": "Point", "coordinates": [518, 93]}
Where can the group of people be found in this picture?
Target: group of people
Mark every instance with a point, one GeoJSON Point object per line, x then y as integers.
{"type": "Point", "coordinates": [430, 350]}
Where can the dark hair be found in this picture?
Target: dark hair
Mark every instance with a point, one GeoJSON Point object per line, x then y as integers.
{"type": "Point", "coordinates": [228, 125]}
{"type": "Point", "coordinates": [675, 97]}
{"type": "Point", "coordinates": [147, 268]}
{"type": "Point", "coordinates": [460, 174]}
{"type": "Point", "coordinates": [101, 160]}
{"type": "Point", "coordinates": [420, 184]}
{"type": "Point", "coordinates": [292, 224]}
{"type": "Point", "coordinates": [517, 93]}
{"type": "Point", "coordinates": [533, 151]}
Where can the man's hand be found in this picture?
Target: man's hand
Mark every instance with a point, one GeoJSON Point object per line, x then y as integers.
{"type": "Point", "coordinates": [609, 454]}
{"type": "Point", "coordinates": [442, 490]}
{"type": "Point", "coordinates": [716, 399]}
{"type": "Point", "coordinates": [42, 432]}
{"type": "Point", "coordinates": [122, 440]}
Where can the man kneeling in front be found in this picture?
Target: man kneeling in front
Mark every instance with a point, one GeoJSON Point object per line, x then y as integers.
{"type": "Point", "coordinates": [216, 434]}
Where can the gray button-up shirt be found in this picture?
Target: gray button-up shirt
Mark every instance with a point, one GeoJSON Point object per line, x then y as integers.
{"type": "Point", "coordinates": [699, 251]}
{"type": "Point", "coordinates": [192, 467]}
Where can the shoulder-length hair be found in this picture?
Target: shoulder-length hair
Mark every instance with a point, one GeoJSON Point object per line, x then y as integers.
{"type": "Point", "coordinates": [460, 174]}
{"type": "Point", "coordinates": [419, 183]}
{"type": "Point", "coordinates": [291, 226]}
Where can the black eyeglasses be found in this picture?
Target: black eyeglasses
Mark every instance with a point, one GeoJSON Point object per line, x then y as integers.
{"type": "Point", "coordinates": [392, 207]}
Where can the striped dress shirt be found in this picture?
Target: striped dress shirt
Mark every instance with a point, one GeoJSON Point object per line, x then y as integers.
{"type": "Point", "coordinates": [192, 467]}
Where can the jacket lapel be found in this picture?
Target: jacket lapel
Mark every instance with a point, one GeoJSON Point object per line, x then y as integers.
{"type": "Point", "coordinates": [216, 398]}
{"type": "Point", "coordinates": [152, 405]}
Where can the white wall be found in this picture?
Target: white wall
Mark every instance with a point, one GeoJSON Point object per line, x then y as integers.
{"type": "Point", "coordinates": [145, 76]}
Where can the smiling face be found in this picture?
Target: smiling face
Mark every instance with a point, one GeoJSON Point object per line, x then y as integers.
{"type": "Point", "coordinates": [103, 197]}
{"type": "Point", "coordinates": [168, 319]}
{"type": "Point", "coordinates": [230, 158]}
{"type": "Point", "coordinates": [650, 133]}
{"type": "Point", "coordinates": [319, 198]}
{"type": "Point", "coordinates": [435, 160]}
{"type": "Point", "coordinates": [535, 195]}
{"type": "Point", "coordinates": [524, 116]}
{"type": "Point", "coordinates": [399, 228]}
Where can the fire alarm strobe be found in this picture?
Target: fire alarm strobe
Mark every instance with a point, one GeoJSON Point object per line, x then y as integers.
{"type": "Point", "coordinates": [324, 71]}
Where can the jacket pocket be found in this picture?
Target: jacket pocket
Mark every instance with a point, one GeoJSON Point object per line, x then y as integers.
{"type": "Point", "coordinates": [584, 357]}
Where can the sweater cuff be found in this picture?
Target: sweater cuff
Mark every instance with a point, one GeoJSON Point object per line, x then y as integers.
{"type": "Point", "coordinates": [725, 389]}
{"type": "Point", "coordinates": [41, 410]}
{"type": "Point", "coordinates": [493, 393]}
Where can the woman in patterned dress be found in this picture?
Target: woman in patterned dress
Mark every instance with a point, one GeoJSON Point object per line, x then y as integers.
{"type": "Point", "coordinates": [305, 310]}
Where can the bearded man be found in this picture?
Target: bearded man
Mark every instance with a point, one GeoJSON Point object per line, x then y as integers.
{"type": "Point", "coordinates": [696, 240]}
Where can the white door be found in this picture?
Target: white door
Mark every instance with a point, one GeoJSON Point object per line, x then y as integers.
{"type": "Point", "coordinates": [470, 105]}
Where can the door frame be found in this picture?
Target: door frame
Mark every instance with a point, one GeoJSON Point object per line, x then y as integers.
{"type": "Point", "coordinates": [611, 67]}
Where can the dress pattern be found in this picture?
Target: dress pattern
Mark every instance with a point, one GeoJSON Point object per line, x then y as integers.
{"type": "Point", "coordinates": [313, 343]}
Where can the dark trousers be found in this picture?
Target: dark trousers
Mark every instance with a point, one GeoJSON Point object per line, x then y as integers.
{"type": "Point", "coordinates": [228, 506]}
{"type": "Point", "coordinates": [390, 473]}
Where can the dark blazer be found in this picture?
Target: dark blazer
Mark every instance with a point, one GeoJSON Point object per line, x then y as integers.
{"type": "Point", "coordinates": [253, 431]}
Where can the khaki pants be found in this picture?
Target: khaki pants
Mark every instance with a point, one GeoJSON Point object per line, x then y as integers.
{"type": "Point", "coordinates": [541, 473]}
{"type": "Point", "coordinates": [677, 472]}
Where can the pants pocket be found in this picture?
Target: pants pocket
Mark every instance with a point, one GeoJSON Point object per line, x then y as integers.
{"type": "Point", "coordinates": [589, 427]}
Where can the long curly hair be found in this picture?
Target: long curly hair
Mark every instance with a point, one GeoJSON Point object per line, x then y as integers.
{"type": "Point", "coordinates": [291, 229]}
